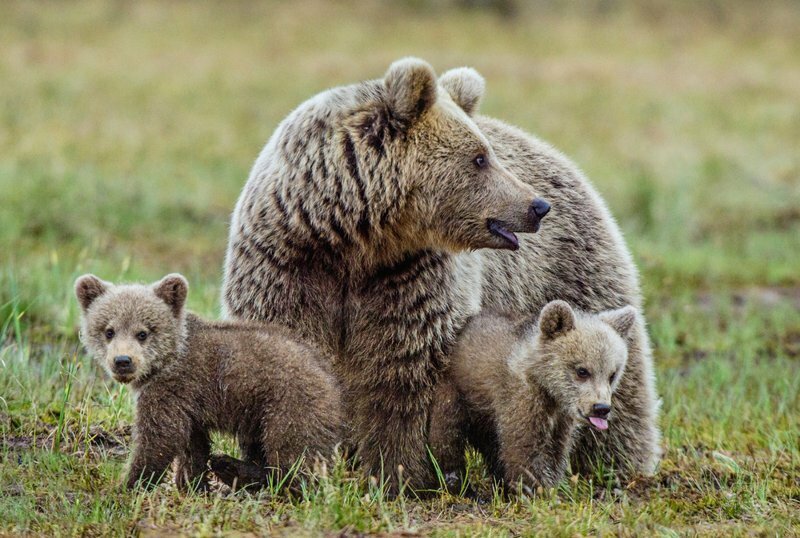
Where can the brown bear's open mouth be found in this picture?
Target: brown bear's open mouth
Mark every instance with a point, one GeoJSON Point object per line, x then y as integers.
{"type": "Point", "coordinates": [500, 229]}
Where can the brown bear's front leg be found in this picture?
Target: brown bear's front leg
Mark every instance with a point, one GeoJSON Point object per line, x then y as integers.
{"type": "Point", "coordinates": [388, 400]}
{"type": "Point", "coordinates": [632, 442]}
{"type": "Point", "coordinates": [392, 435]}
{"type": "Point", "coordinates": [192, 464]}
{"type": "Point", "coordinates": [400, 323]}
{"type": "Point", "coordinates": [446, 434]}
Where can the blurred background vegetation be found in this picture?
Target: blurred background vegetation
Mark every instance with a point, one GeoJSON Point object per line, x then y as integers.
{"type": "Point", "coordinates": [127, 130]}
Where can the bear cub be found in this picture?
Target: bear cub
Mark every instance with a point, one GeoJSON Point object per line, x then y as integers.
{"type": "Point", "coordinates": [192, 377]}
{"type": "Point", "coordinates": [520, 391]}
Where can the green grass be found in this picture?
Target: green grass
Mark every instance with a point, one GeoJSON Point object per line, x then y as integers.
{"type": "Point", "coordinates": [127, 131]}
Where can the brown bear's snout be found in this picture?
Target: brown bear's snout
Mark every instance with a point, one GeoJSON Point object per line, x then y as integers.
{"type": "Point", "coordinates": [123, 364]}
{"type": "Point", "coordinates": [537, 211]}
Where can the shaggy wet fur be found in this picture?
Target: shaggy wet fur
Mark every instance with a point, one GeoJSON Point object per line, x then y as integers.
{"type": "Point", "coordinates": [192, 377]}
{"type": "Point", "coordinates": [334, 236]}
{"type": "Point", "coordinates": [578, 256]}
{"type": "Point", "coordinates": [358, 229]}
{"type": "Point", "coordinates": [518, 391]}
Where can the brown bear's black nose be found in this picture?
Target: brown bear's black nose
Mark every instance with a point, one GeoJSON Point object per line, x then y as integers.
{"type": "Point", "coordinates": [539, 207]}
{"type": "Point", "coordinates": [601, 410]}
{"type": "Point", "coordinates": [536, 211]}
{"type": "Point", "coordinates": [122, 361]}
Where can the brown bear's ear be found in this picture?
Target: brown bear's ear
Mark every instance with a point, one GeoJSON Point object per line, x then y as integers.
{"type": "Point", "coordinates": [556, 319]}
{"type": "Point", "coordinates": [621, 320]}
{"type": "Point", "coordinates": [172, 289]}
{"type": "Point", "coordinates": [465, 86]}
{"type": "Point", "coordinates": [88, 288]}
{"type": "Point", "coordinates": [411, 87]}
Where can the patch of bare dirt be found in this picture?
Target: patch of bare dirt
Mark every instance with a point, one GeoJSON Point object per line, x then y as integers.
{"type": "Point", "coordinates": [96, 442]}
{"type": "Point", "coordinates": [790, 343]}
{"type": "Point", "coordinates": [24, 442]}
{"type": "Point", "coordinates": [109, 443]}
{"type": "Point", "coordinates": [760, 296]}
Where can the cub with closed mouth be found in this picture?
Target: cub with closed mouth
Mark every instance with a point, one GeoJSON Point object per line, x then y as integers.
{"type": "Point", "coordinates": [255, 381]}
{"type": "Point", "coordinates": [518, 391]}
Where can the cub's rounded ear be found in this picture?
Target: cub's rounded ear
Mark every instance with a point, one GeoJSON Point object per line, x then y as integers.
{"type": "Point", "coordinates": [88, 288]}
{"type": "Point", "coordinates": [556, 319]}
{"type": "Point", "coordinates": [621, 320]}
{"type": "Point", "coordinates": [172, 289]}
{"type": "Point", "coordinates": [465, 86]}
{"type": "Point", "coordinates": [411, 88]}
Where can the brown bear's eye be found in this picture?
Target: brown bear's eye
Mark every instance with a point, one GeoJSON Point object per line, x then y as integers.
{"type": "Point", "coordinates": [480, 161]}
{"type": "Point", "coordinates": [611, 379]}
{"type": "Point", "coordinates": [141, 336]}
{"type": "Point", "coordinates": [583, 373]}
{"type": "Point", "coordinates": [109, 334]}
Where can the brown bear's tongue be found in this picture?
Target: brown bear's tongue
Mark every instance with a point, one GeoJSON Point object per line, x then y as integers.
{"type": "Point", "coordinates": [498, 229]}
{"type": "Point", "coordinates": [599, 423]}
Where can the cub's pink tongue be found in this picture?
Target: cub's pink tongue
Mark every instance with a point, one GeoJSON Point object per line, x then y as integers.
{"type": "Point", "coordinates": [599, 423]}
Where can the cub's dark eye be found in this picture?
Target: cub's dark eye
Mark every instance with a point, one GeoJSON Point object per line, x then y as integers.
{"type": "Point", "coordinates": [583, 373]}
{"type": "Point", "coordinates": [109, 334]}
{"type": "Point", "coordinates": [481, 161]}
{"type": "Point", "coordinates": [141, 336]}
{"type": "Point", "coordinates": [611, 379]}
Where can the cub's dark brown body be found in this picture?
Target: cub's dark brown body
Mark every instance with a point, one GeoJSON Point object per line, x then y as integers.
{"type": "Point", "coordinates": [192, 377]}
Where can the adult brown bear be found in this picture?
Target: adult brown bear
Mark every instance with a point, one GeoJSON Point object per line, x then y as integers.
{"type": "Point", "coordinates": [359, 227]}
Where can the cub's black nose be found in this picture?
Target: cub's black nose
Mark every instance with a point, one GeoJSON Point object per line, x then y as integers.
{"type": "Point", "coordinates": [540, 207]}
{"type": "Point", "coordinates": [122, 361]}
{"type": "Point", "coordinates": [601, 410]}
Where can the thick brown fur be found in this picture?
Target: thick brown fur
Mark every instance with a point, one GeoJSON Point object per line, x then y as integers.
{"type": "Point", "coordinates": [340, 232]}
{"type": "Point", "coordinates": [192, 377]}
{"type": "Point", "coordinates": [579, 256]}
{"type": "Point", "coordinates": [355, 229]}
{"type": "Point", "coordinates": [519, 391]}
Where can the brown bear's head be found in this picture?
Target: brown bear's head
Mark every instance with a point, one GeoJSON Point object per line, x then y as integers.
{"type": "Point", "coordinates": [580, 358]}
{"type": "Point", "coordinates": [396, 165]}
{"type": "Point", "coordinates": [458, 195]}
{"type": "Point", "coordinates": [133, 331]}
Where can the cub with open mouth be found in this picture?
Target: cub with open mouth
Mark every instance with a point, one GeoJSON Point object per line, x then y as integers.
{"type": "Point", "coordinates": [517, 391]}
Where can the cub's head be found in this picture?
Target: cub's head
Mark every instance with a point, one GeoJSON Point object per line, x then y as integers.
{"type": "Point", "coordinates": [581, 358]}
{"type": "Point", "coordinates": [398, 163]}
{"type": "Point", "coordinates": [132, 330]}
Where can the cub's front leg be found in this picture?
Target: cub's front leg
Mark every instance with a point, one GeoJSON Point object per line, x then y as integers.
{"type": "Point", "coordinates": [162, 432]}
{"type": "Point", "coordinates": [534, 447]}
{"type": "Point", "coordinates": [192, 464]}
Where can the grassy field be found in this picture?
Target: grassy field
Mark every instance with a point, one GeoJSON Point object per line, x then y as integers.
{"type": "Point", "coordinates": [128, 129]}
